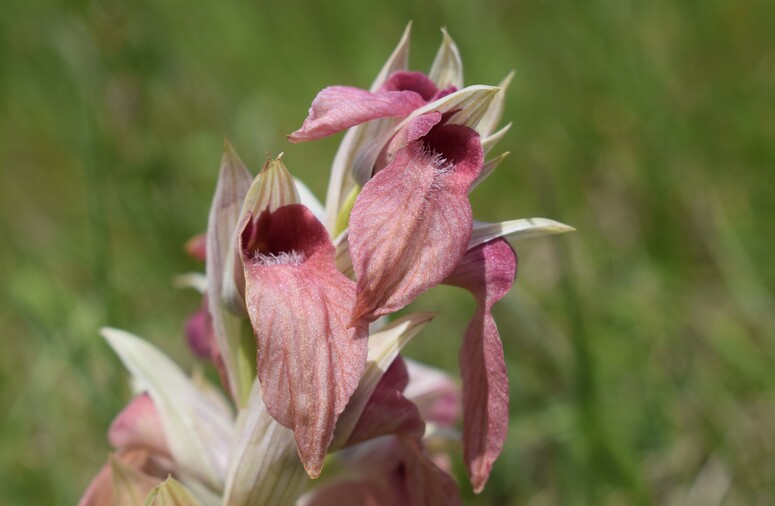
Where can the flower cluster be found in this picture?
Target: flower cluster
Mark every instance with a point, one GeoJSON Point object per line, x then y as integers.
{"type": "Point", "coordinates": [321, 377]}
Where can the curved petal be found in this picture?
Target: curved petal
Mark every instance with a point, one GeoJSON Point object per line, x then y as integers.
{"type": "Point", "coordinates": [411, 224]}
{"type": "Point", "coordinates": [309, 361]}
{"type": "Point", "coordinates": [487, 271]}
{"type": "Point", "coordinates": [338, 108]}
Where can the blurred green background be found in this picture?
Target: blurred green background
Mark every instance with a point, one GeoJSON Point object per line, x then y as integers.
{"type": "Point", "coordinates": [640, 348]}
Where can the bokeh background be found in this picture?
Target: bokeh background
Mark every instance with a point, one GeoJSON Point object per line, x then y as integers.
{"type": "Point", "coordinates": [640, 348]}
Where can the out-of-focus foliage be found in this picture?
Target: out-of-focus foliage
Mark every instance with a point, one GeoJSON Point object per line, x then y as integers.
{"type": "Point", "coordinates": [640, 348]}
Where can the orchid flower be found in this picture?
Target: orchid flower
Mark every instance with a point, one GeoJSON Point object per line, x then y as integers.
{"type": "Point", "coordinates": [294, 304]}
{"type": "Point", "coordinates": [416, 174]}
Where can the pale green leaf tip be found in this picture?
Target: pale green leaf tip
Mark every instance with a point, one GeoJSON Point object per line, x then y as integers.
{"type": "Point", "coordinates": [228, 150]}
{"type": "Point", "coordinates": [504, 84]}
{"type": "Point", "coordinates": [561, 228]}
{"type": "Point", "coordinates": [553, 227]}
{"type": "Point", "coordinates": [110, 334]}
{"type": "Point", "coordinates": [171, 493]}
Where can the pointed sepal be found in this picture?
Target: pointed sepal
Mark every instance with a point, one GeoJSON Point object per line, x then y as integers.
{"type": "Point", "coordinates": [171, 493]}
{"type": "Point", "coordinates": [233, 184]}
{"type": "Point", "coordinates": [525, 228]}
{"type": "Point", "coordinates": [492, 117]}
{"type": "Point", "coordinates": [447, 68]}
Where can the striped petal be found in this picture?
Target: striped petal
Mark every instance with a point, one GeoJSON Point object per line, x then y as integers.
{"type": "Point", "coordinates": [487, 271]}
{"type": "Point", "coordinates": [338, 108]}
{"type": "Point", "coordinates": [411, 224]}
{"type": "Point", "coordinates": [309, 361]}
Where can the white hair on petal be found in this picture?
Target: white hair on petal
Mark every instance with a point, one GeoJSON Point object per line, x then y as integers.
{"type": "Point", "coordinates": [292, 257]}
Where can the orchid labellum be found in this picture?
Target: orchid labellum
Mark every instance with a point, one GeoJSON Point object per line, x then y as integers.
{"type": "Point", "coordinates": [296, 300]}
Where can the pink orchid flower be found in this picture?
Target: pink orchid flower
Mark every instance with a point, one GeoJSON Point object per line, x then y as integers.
{"type": "Point", "coordinates": [411, 226]}
{"type": "Point", "coordinates": [294, 301]}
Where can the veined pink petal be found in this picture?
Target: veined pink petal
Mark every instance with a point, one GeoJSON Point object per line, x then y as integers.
{"type": "Point", "coordinates": [411, 224]}
{"type": "Point", "coordinates": [309, 361]}
{"type": "Point", "coordinates": [388, 411]}
{"type": "Point", "coordinates": [488, 272]}
{"type": "Point", "coordinates": [138, 426]}
{"type": "Point", "coordinates": [338, 108]}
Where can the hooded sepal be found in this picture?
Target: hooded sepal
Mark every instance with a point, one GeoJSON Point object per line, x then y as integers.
{"type": "Point", "coordinates": [488, 272]}
{"type": "Point", "coordinates": [272, 188]}
{"type": "Point", "coordinates": [232, 357]}
{"type": "Point", "coordinates": [463, 107]}
{"type": "Point", "coordinates": [309, 360]}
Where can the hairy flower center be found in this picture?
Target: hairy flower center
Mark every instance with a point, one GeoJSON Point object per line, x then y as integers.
{"type": "Point", "coordinates": [292, 257]}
